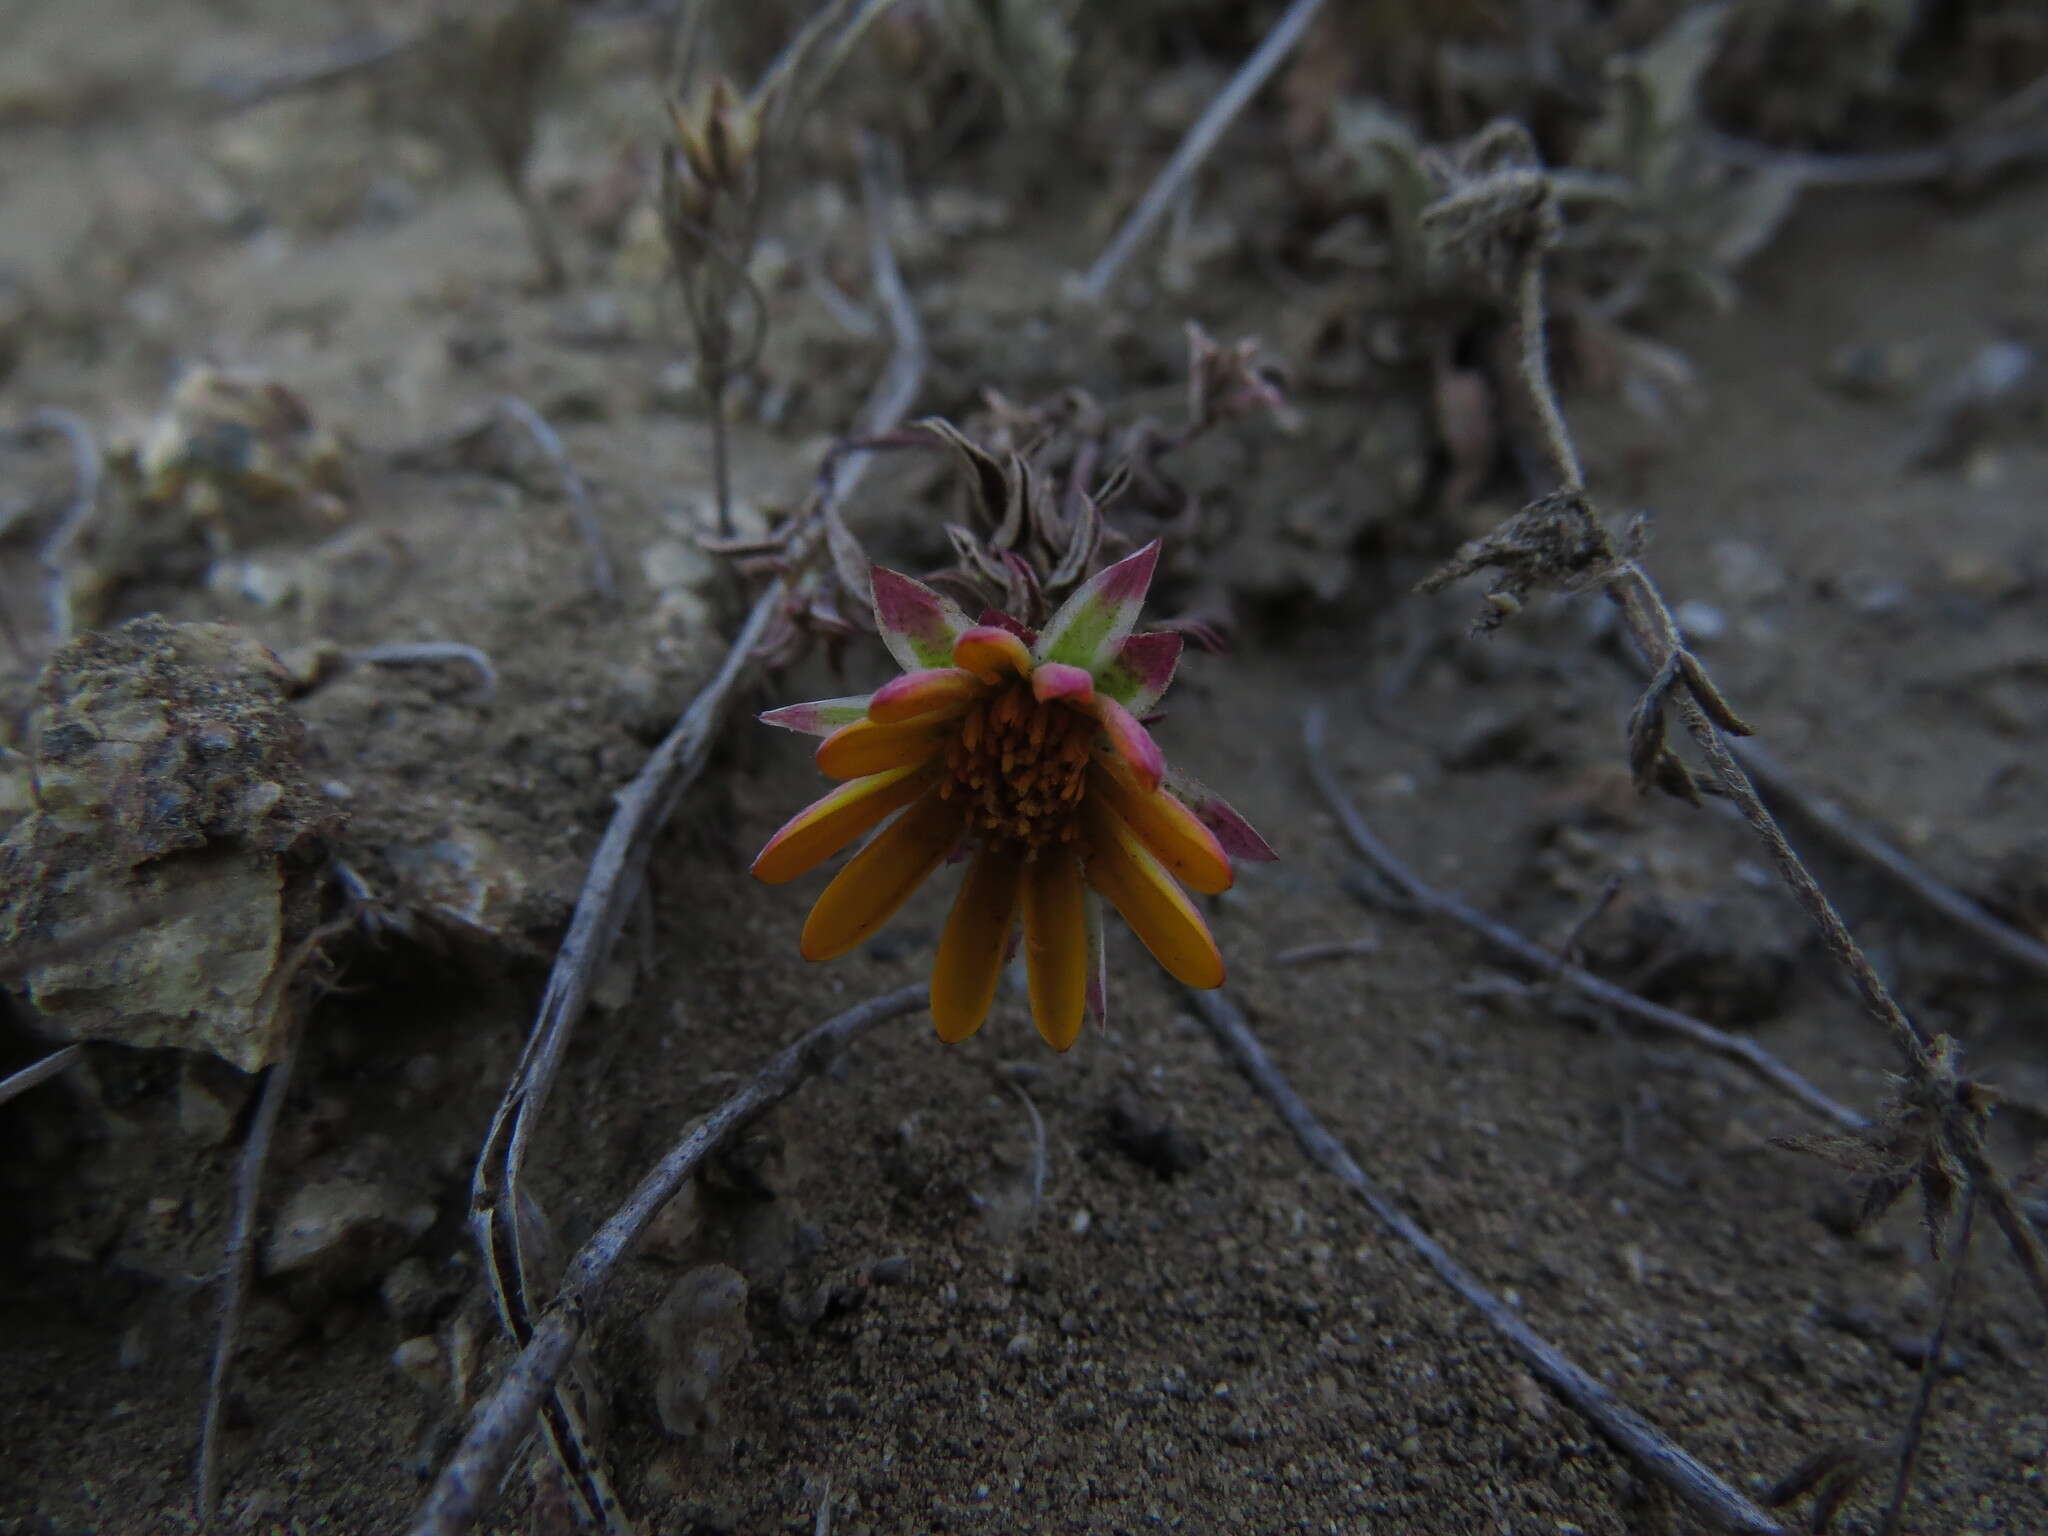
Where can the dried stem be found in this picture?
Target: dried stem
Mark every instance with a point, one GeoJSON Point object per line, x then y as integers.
{"type": "Point", "coordinates": [607, 898]}
{"type": "Point", "coordinates": [470, 1478]}
{"type": "Point", "coordinates": [1529, 953]}
{"type": "Point", "coordinates": [411, 653]}
{"type": "Point", "coordinates": [236, 1263]}
{"type": "Point", "coordinates": [1653, 1454]}
{"type": "Point", "coordinates": [1531, 326]}
{"type": "Point", "coordinates": [588, 527]}
{"type": "Point", "coordinates": [1195, 147]}
{"type": "Point", "coordinates": [721, 449]}
{"type": "Point", "coordinates": [86, 474]}
{"type": "Point", "coordinates": [1930, 1368]}
{"type": "Point", "coordinates": [791, 83]}
{"type": "Point", "coordinates": [2021, 1236]}
{"type": "Point", "coordinates": [1657, 640]}
{"type": "Point", "coordinates": [1841, 944]}
{"type": "Point", "coordinates": [38, 1072]}
{"type": "Point", "coordinates": [609, 893]}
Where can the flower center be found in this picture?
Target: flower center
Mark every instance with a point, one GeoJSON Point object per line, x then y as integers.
{"type": "Point", "coordinates": [1022, 766]}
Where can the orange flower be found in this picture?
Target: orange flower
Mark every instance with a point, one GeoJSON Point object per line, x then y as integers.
{"type": "Point", "coordinates": [1028, 750]}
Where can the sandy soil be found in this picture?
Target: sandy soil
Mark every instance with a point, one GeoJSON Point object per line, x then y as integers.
{"type": "Point", "coordinates": [1193, 1328]}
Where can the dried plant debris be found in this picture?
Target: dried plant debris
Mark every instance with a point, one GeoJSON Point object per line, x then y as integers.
{"type": "Point", "coordinates": [1917, 1142]}
{"type": "Point", "coordinates": [165, 772]}
{"type": "Point", "coordinates": [1043, 496]}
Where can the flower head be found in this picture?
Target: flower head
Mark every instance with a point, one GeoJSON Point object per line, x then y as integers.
{"type": "Point", "coordinates": [1027, 751]}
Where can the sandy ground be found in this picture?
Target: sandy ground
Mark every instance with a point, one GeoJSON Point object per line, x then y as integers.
{"type": "Point", "coordinates": [1192, 1328]}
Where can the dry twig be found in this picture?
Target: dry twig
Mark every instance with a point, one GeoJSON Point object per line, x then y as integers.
{"type": "Point", "coordinates": [86, 473]}
{"type": "Point", "coordinates": [1930, 1368]}
{"type": "Point", "coordinates": [38, 1072]}
{"type": "Point", "coordinates": [609, 891]}
{"type": "Point", "coordinates": [238, 1255]}
{"type": "Point", "coordinates": [408, 653]}
{"type": "Point", "coordinates": [609, 894]}
{"type": "Point", "coordinates": [470, 1478]}
{"type": "Point", "coordinates": [1195, 147]}
{"type": "Point", "coordinates": [237, 1260]}
{"type": "Point", "coordinates": [1529, 953]}
{"type": "Point", "coordinates": [588, 527]}
{"type": "Point", "coordinates": [1653, 1454]}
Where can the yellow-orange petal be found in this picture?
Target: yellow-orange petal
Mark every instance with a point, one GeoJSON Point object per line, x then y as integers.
{"type": "Point", "coordinates": [970, 958]}
{"type": "Point", "coordinates": [1166, 827]}
{"type": "Point", "coordinates": [938, 691]}
{"type": "Point", "coordinates": [1056, 947]}
{"type": "Point", "coordinates": [1158, 911]}
{"type": "Point", "coordinates": [825, 826]}
{"type": "Point", "coordinates": [1132, 743]}
{"type": "Point", "coordinates": [991, 653]}
{"type": "Point", "coordinates": [856, 750]}
{"type": "Point", "coordinates": [880, 878]}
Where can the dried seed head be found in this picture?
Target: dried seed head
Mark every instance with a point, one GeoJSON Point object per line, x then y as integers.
{"type": "Point", "coordinates": [731, 132]}
{"type": "Point", "coordinates": [708, 168]}
{"type": "Point", "coordinates": [717, 134]}
{"type": "Point", "coordinates": [687, 204]}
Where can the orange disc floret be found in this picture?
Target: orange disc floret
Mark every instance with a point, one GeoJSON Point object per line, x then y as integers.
{"type": "Point", "coordinates": [1020, 766]}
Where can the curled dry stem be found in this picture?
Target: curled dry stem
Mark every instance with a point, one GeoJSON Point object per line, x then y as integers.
{"type": "Point", "coordinates": [87, 471]}
{"type": "Point", "coordinates": [470, 1478]}
{"type": "Point", "coordinates": [238, 1255]}
{"type": "Point", "coordinates": [588, 528]}
{"type": "Point", "coordinates": [1655, 1455]}
{"type": "Point", "coordinates": [609, 896]}
{"type": "Point", "coordinates": [236, 1264]}
{"type": "Point", "coordinates": [412, 653]}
